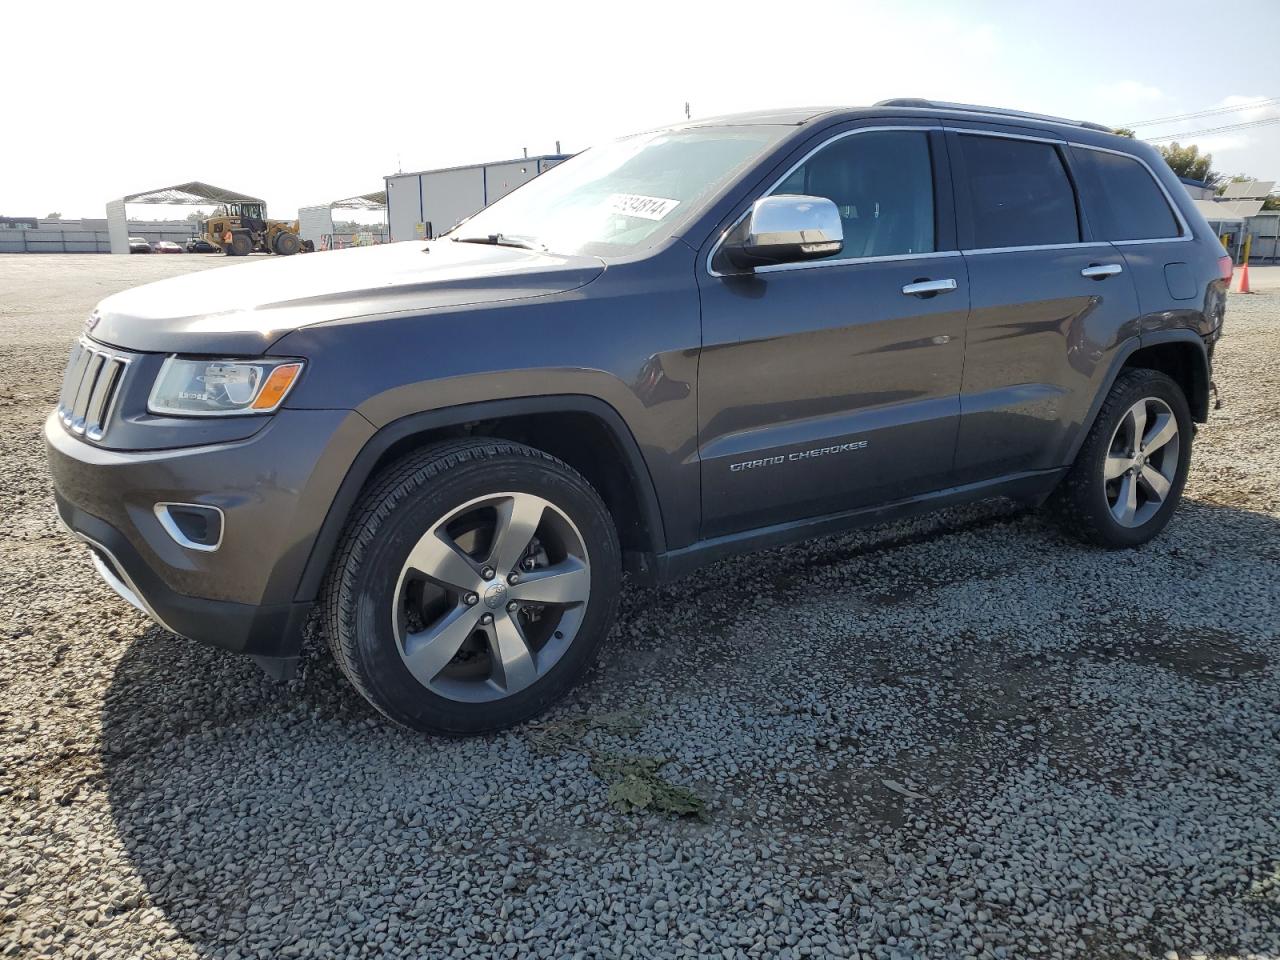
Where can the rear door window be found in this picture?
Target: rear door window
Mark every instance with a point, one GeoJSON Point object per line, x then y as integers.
{"type": "Point", "coordinates": [1123, 199]}
{"type": "Point", "coordinates": [1019, 193]}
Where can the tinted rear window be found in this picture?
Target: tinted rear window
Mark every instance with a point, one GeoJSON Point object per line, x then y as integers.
{"type": "Point", "coordinates": [1019, 192]}
{"type": "Point", "coordinates": [1124, 200]}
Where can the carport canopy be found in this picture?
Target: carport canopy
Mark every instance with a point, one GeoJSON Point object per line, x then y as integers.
{"type": "Point", "coordinates": [196, 193]}
{"type": "Point", "coordinates": [316, 223]}
{"type": "Point", "coordinates": [366, 201]}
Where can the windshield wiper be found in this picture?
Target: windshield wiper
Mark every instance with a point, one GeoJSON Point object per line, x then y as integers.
{"type": "Point", "coordinates": [500, 240]}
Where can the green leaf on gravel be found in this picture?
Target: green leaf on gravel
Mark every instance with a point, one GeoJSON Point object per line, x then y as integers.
{"type": "Point", "coordinates": [634, 782]}
{"type": "Point", "coordinates": [637, 786]}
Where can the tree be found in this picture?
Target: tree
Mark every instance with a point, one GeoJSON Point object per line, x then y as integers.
{"type": "Point", "coordinates": [53, 216]}
{"type": "Point", "coordinates": [1189, 162]}
{"type": "Point", "coordinates": [1124, 132]}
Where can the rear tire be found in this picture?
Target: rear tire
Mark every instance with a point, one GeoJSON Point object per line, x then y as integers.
{"type": "Point", "coordinates": [1128, 477]}
{"type": "Point", "coordinates": [472, 586]}
{"type": "Point", "coordinates": [241, 245]}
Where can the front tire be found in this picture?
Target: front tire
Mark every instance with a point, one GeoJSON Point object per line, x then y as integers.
{"type": "Point", "coordinates": [1128, 477]}
{"type": "Point", "coordinates": [241, 245]}
{"type": "Point", "coordinates": [473, 586]}
{"type": "Point", "coordinates": [287, 244]}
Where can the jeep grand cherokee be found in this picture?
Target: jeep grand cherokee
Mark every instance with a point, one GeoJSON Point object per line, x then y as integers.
{"type": "Point", "coordinates": [714, 337]}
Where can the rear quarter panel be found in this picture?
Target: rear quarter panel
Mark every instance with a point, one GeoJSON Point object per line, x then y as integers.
{"type": "Point", "coordinates": [1177, 281]}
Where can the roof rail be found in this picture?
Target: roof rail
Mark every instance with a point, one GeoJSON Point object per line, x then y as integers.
{"type": "Point", "coordinates": [994, 111]}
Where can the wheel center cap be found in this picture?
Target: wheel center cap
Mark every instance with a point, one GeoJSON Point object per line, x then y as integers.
{"type": "Point", "coordinates": [495, 596]}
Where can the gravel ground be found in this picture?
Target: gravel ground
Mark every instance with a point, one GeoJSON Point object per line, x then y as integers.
{"type": "Point", "coordinates": [961, 736]}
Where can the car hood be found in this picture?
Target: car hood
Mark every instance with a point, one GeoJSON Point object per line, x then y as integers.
{"type": "Point", "coordinates": [243, 309]}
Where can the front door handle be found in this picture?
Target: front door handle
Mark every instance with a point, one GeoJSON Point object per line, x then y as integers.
{"type": "Point", "coordinates": [1100, 271]}
{"type": "Point", "coordinates": [928, 288]}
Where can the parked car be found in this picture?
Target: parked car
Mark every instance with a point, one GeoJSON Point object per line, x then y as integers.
{"type": "Point", "coordinates": [167, 246]}
{"type": "Point", "coordinates": [201, 245]}
{"type": "Point", "coordinates": [712, 338]}
{"type": "Point", "coordinates": [139, 245]}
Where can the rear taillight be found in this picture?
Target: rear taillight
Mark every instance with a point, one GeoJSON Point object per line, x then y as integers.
{"type": "Point", "coordinates": [1225, 267]}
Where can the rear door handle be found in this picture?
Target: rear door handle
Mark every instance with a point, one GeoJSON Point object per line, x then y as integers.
{"type": "Point", "coordinates": [928, 288]}
{"type": "Point", "coordinates": [1100, 271]}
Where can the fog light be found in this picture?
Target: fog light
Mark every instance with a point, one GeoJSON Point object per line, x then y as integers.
{"type": "Point", "coordinates": [191, 525]}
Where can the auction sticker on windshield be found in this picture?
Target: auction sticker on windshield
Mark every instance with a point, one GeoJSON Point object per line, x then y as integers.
{"type": "Point", "coordinates": [636, 205]}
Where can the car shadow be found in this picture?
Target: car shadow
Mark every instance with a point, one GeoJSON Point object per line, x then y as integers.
{"type": "Point", "coordinates": [293, 818]}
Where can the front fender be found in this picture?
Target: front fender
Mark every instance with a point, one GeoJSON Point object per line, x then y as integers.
{"type": "Point", "coordinates": [433, 420]}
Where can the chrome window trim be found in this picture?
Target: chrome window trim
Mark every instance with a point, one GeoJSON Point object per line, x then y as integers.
{"type": "Point", "coordinates": [171, 527]}
{"type": "Point", "coordinates": [1183, 226]}
{"type": "Point", "coordinates": [1039, 246]}
{"type": "Point", "coordinates": [887, 258]}
{"type": "Point", "coordinates": [1002, 135]}
{"type": "Point", "coordinates": [975, 131]}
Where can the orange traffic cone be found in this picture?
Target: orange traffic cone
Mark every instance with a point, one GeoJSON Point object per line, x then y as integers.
{"type": "Point", "coordinates": [1242, 286]}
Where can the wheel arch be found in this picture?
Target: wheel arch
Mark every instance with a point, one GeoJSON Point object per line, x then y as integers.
{"type": "Point", "coordinates": [570, 427]}
{"type": "Point", "coordinates": [1181, 351]}
{"type": "Point", "coordinates": [1182, 356]}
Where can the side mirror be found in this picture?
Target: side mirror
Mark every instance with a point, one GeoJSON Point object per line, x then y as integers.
{"type": "Point", "coordinates": [785, 229]}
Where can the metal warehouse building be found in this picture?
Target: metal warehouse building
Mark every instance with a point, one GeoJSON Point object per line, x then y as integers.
{"type": "Point", "coordinates": [429, 202]}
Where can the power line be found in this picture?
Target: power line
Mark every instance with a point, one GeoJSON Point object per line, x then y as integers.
{"type": "Point", "coordinates": [1205, 113]}
{"type": "Point", "coordinates": [1248, 124]}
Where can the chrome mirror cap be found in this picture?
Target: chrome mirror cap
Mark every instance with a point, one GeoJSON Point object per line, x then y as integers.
{"type": "Point", "coordinates": [786, 228]}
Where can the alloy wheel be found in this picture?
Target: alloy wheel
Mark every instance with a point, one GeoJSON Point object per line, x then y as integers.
{"type": "Point", "coordinates": [1142, 462]}
{"type": "Point", "coordinates": [491, 597]}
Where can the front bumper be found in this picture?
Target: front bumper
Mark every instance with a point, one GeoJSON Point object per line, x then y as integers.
{"type": "Point", "coordinates": [274, 489]}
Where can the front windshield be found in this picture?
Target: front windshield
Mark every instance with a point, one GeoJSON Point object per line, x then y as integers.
{"type": "Point", "coordinates": [622, 196]}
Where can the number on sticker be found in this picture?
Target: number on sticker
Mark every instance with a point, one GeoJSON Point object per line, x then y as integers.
{"type": "Point", "coordinates": [637, 205]}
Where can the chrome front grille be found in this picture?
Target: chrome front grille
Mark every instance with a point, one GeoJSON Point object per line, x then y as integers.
{"type": "Point", "coordinates": [89, 389]}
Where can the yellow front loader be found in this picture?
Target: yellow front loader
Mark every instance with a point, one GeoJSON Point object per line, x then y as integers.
{"type": "Point", "coordinates": [242, 228]}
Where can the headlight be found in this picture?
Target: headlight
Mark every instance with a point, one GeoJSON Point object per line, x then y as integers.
{"type": "Point", "coordinates": [188, 387]}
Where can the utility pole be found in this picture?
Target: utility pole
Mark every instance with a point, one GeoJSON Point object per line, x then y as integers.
{"type": "Point", "coordinates": [686, 110]}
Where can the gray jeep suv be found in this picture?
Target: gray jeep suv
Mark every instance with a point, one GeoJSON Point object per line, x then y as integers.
{"type": "Point", "coordinates": [710, 338]}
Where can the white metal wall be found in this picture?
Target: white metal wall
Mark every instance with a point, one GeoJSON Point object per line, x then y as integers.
{"type": "Point", "coordinates": [451, 195]}
{"type": "Point", "coordinates": [502, 178]}
{"type": "Point", "coordinates": [442, 198]}
{"type": "Point", "coordinates": [404, 202]}
{"type": "Point", "coordinates": [89, 236]}
{"type": "Point", "coordinates": [315, 222]}
{"type": "Point", "coordinates": [118, 226]}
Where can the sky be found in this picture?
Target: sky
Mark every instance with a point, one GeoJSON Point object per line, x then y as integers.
{"type": "Point", "coordinates": [304, 103]}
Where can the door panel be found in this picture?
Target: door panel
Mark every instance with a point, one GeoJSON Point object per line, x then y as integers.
{"type": "Point", "coordinates": [822, 386]}
{"type": "Point", "coordinates": [826, 389]}
{"type": "Point", "coordinates": [1039, 341]}
{"type": "Point", "coordinates": [1041, 332]}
